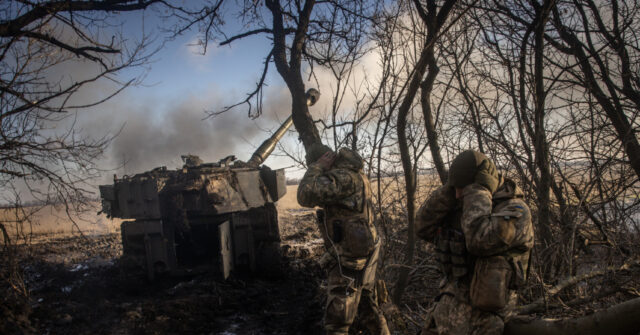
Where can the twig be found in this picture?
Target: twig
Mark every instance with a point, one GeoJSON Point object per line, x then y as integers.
{"type": "Point", "coordinates": [399, 266]}
{"type": "Point", "coordinates": [570, 281]}
{"type": "Point", "coordinates": [5, 235]}
{"type": "Point", "coordinates": [408, 317]}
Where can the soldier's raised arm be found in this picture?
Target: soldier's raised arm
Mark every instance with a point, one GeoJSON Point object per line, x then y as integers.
{"type": "Point", "coordinates": [491, 229]}
{"type": "Point", "coordinates": [319, 187]}
{"type": "Point", "coordinates": [488, 231]}
{"type": "Point", "coordinates": [433, 211]}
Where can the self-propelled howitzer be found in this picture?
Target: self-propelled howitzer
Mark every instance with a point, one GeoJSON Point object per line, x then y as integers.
{"type": "Point", "coordinates": [219, 216]}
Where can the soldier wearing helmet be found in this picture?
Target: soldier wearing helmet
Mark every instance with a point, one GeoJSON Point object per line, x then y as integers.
{"type": "Point", "coordinates": [482, 232]}
{"type": "Point", "coordinates": [338, 185]}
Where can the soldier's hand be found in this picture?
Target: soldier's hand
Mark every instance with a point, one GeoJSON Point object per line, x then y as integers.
{"type": "Point", "coordinates": [487, 176]}
{"type": "Point", "coordinates": [325, 161]}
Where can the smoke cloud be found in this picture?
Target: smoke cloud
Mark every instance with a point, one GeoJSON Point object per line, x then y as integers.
{"type": "Point", "coordinates": [156, 132]}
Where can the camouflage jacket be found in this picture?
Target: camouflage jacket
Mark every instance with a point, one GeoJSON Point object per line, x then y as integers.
{"type": "Point", "coordinates": [494, 227]}
{"type": "Point", "coordinates": [491, 224]}
{"type": "Point", "coordinates": [345, 196]}
{"type": "Point", "coordinates": [335, 187]}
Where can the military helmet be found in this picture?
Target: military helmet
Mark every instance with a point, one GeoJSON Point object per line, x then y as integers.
{"type": "Point", "coordinates": [315, 151]}
{"type": "Point", "coordinates": [349, 159]}
{"type": "Point", "coordinates": [465, 167]}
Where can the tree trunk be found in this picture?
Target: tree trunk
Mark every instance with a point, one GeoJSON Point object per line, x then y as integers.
{"type": "Point", "coordinates": [434, 21]}
{"type": "Point", "coordinates": [540, 139]}
{"type": "Point", "coordinates": [291, 70]}
{"type": "Point", "coordinates": [429, 122]}
{"type": "Point", "coordinates": [409, 176]}
{"type": "Point", "coordinates": [611, 105]}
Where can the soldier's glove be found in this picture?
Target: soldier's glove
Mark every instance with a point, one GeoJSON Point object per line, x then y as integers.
{"type": "Point", "coordinates": [315, 151]}
{"type": "Point", "coordinates": [487, 175]}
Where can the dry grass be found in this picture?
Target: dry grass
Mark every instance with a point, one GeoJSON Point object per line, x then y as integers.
{"type": "Point", "coordinates": [53, 221]}
{"type": "Point", "coordinates": [289, 201]}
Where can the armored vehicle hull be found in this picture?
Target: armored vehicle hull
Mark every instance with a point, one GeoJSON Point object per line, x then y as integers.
{"type": "Point", "coordinates": [197, 217]}
{"type": "Point", "coordinates": [219, 216]}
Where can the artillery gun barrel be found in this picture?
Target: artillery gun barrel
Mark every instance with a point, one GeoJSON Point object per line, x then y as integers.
{"type": "Point", "coordinates": [267, 147]}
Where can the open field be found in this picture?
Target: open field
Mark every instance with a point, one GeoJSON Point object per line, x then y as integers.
{"type": "Point", "coordinates": [53, 221]}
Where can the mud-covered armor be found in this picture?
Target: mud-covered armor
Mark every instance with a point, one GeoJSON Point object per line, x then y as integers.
{"type": "Point", "coordinates": [478, 292]}
{"type": "Point", "coordinates": [346, 225]}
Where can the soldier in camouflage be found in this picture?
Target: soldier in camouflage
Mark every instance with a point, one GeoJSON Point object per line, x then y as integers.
{"type": "Point", "coordinates": [338, 185]}
{"type": "Point", "coordinates": [482, 231]}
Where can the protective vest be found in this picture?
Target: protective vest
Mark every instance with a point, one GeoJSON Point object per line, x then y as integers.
{"type": "Point", "coordinates": [451, 251]}
{"type": "Point", "coordinates": [455, 260]}
{"type": "Point", "coordinates": [348, 229]}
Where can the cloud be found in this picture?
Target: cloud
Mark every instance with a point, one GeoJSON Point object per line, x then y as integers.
{"type": "Point", "coordinates": [191, 52]}
{"type": "Point", "coordinates": [154, 126]}
{"type": "Point", "coordinates": [366, 71]}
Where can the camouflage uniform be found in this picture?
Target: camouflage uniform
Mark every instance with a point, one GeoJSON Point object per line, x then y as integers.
{"type": "Point", "coordinates": [350, 237]}
{"type": "Point", "coordinates": [483, 244]}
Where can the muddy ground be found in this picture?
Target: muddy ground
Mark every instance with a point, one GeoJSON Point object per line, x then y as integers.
{"type": "Point", "coordinates": [95, 294]}
{"type": "Point", "coordinates": [79, 285]}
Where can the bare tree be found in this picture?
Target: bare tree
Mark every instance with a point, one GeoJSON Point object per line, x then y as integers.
{"type": "Point", "coordinates": [434, 18]}
{"type": "Point", "coordinates": [502, 86]}
{"type": "Point", "coordinates": [304, 35]}
{"type": "Point", "coordinates": [43, 157]}
{"type": "Point", "coordinates": [36, 41]}
{"type": "Point", "coordinates": [603, 45]}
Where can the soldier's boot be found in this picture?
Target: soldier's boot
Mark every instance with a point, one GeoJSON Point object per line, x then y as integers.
{"type": "Point", "coordinates": [339, 315]}
{"type": "Point", "coordinates": [380, 325]}
{"type": "Point", "coordinates": [371, 314]}
{"type": "Point", "coordinates": [342, 302]}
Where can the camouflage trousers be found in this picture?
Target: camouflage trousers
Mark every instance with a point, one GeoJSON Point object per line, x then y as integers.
{"type": "Point", "coordinates": [453, 314]}
{"type": "Point", "coordinates": [349, 289]}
